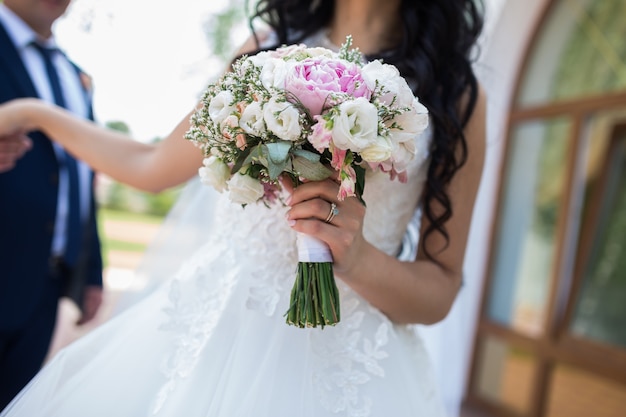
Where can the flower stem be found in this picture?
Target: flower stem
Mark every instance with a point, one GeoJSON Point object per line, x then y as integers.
{"type": "Point", "coordinates": [314, 296]}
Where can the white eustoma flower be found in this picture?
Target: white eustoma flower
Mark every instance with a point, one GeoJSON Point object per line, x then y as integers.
{"type": "Point", "coordinates": [389, 77]}
{"type": "Point", "coordinates": [215, 173]}
{"type": "Point", "coordinates": [258, 60]}
{"type": "Point", "coordinates": [273, 73]}
{"type": "Point", "coordinates": [402, 154]}
{"type": "Point", "coordinates": [243, 189]}
{"type": "Point", "coordinates": [283, 119]}
{"type": "Point", "coordinates": [355, 128]}
{"type": "Point", "coordinates": [252, 119]}
{"type": "Point", "coordinates": [412, 122]}
{"type": "Point", "coordinates": [221, 106]}
{"type": "Point", "coordinates": [318, 51]}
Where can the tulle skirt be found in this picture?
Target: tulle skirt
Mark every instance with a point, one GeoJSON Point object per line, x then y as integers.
{"type": "Point", "coordinates": [212, 341]}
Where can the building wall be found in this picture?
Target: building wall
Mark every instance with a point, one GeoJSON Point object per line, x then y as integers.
{"type": "Point", "coordinates": [509, 28]}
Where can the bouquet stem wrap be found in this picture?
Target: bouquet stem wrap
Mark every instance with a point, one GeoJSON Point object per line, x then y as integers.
{"type": "Point", "coordinates": [314, 296]}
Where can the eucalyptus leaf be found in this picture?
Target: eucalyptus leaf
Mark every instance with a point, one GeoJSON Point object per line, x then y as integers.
{"type": "Point", "coordinates": [276, 156]}
{"type": "Point", "coordinates": [255, 155]}
{"type": "Point", "coordinates": [311, 156]}
{"type": "Point", "coordinates": [314, 171]}
{"type": "Point", "coordinates": [278, 151]}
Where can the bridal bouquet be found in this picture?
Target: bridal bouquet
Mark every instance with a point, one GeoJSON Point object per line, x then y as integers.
{"type": "Point", "coordinates": [306, 113]}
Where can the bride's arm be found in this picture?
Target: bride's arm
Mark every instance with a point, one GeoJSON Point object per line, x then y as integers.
{"type": "Point", "coordinates": [407, 292]}
{"type": "Point", "coordinates": [150, 167]}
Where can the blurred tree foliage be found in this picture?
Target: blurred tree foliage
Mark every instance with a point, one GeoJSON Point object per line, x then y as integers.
{"type": "Point", "coordinates": [220, 32]}
{"type": "Point", "coordinates": [117, 196]}
{"type": "Point", "coordinates": [219, 29]}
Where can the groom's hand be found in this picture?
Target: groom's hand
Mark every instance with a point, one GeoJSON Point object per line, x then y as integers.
{"type": "Point", "coordinates": [12, 148]}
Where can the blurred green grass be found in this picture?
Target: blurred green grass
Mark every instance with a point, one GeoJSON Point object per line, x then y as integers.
{"type": "Point", "coordinates": [109, 243]}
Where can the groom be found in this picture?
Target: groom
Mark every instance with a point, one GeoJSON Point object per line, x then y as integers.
{"type": "Point", "coordinates": [49, 245]}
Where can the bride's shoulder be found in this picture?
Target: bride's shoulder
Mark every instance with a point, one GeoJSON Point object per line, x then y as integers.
{"type": "Point", "coordinates": [263, 38]}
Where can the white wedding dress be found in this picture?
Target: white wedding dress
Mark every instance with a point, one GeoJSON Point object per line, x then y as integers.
{"type": "Point", "coordinates": [212, 341]}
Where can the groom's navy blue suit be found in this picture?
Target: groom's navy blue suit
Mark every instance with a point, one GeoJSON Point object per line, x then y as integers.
{"type": "Point", "coordinates": [30, 283]}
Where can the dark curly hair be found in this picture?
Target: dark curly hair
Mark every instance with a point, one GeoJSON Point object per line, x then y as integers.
{"type": "Point", "coordinates": [435, 56]}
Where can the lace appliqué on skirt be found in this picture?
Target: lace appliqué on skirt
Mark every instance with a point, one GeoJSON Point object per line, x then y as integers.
{"type": "Point", "coordinates": [349, 358]}
{"type": "Point", "coordinates": [193, 314]}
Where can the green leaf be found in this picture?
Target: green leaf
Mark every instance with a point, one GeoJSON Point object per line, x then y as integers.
{"type": "Point", "coordinates": [311, 170]}
{"type": "Point", "coordinates": [278, 151]}
{"type": "Point", "coordinates": [277, 157]}
{"type": "Point", "coordinates": [360, 182]}
{"type": "Point", "coordinates": [255, 156]}
{"type": "Point", "coordinates": [242, 159]}
{"type": "Point", "coordinates": [311, 156]}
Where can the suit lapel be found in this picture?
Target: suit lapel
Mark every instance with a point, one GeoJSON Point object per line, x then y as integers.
{"type": "Point", "coordinates": [14, 67]}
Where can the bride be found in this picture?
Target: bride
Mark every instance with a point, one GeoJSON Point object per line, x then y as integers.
{"type": "Point", "coordinates": [212, 340]}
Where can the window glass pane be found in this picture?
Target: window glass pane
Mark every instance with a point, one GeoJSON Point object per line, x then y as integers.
{"type": "Point", "coordinates": [505, 375]}
{"type": "Point", "coordinates": [601, 307]}
{"type": "Point", "coordinates": [524, 250]}
{"type": "Point", "coordinates": [580, 51]}
{"type": "Point", "coordinates": [574, 393]}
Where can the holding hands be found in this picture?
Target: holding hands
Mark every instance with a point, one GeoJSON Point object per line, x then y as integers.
{"type": "Point", "coordinates": [13, 140]}
{"type": "Point", "coordinates": [12, 148]}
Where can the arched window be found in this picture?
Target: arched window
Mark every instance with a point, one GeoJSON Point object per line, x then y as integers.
{"type": "Point", "coordinates": [551, 339]}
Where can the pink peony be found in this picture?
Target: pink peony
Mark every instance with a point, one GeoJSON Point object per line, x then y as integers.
{"type": "Point", "coordinates": [312, 80]}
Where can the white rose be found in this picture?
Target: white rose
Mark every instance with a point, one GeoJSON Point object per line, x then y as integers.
{"type": "Point", "coordinates": [412, 122]}
{"type": "Point", "coordinates": [252, 119]}
{"type": "Point", "coordinates": [214, 173]}
{"type": "Point", "coordinates": [378, 151]}
{"type": "Point", "coordinates": [388, 77]}
{"type": "Point", "coordinates": [282, 119]}
{"type": "Point", "coordinates": [243, 189]}
{"type": "Point", "coordinates": [221, 106]}
{"type": "Point", "coordinates": [356, 126]}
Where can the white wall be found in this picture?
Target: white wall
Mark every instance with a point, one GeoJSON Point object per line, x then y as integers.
{"type": "Point", "coordinates": [508, 28]}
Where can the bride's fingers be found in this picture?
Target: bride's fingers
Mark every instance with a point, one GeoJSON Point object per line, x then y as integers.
{"type": "Point", "coordinates": [315, 208]}
{"type": "Point", "coordinates": [327, 189]}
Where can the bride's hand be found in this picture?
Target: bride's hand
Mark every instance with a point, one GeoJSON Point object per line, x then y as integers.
{"type": "Point", "coordinates": [15, 115]}
{"type": "Point", "coordinates": [312, 204]}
